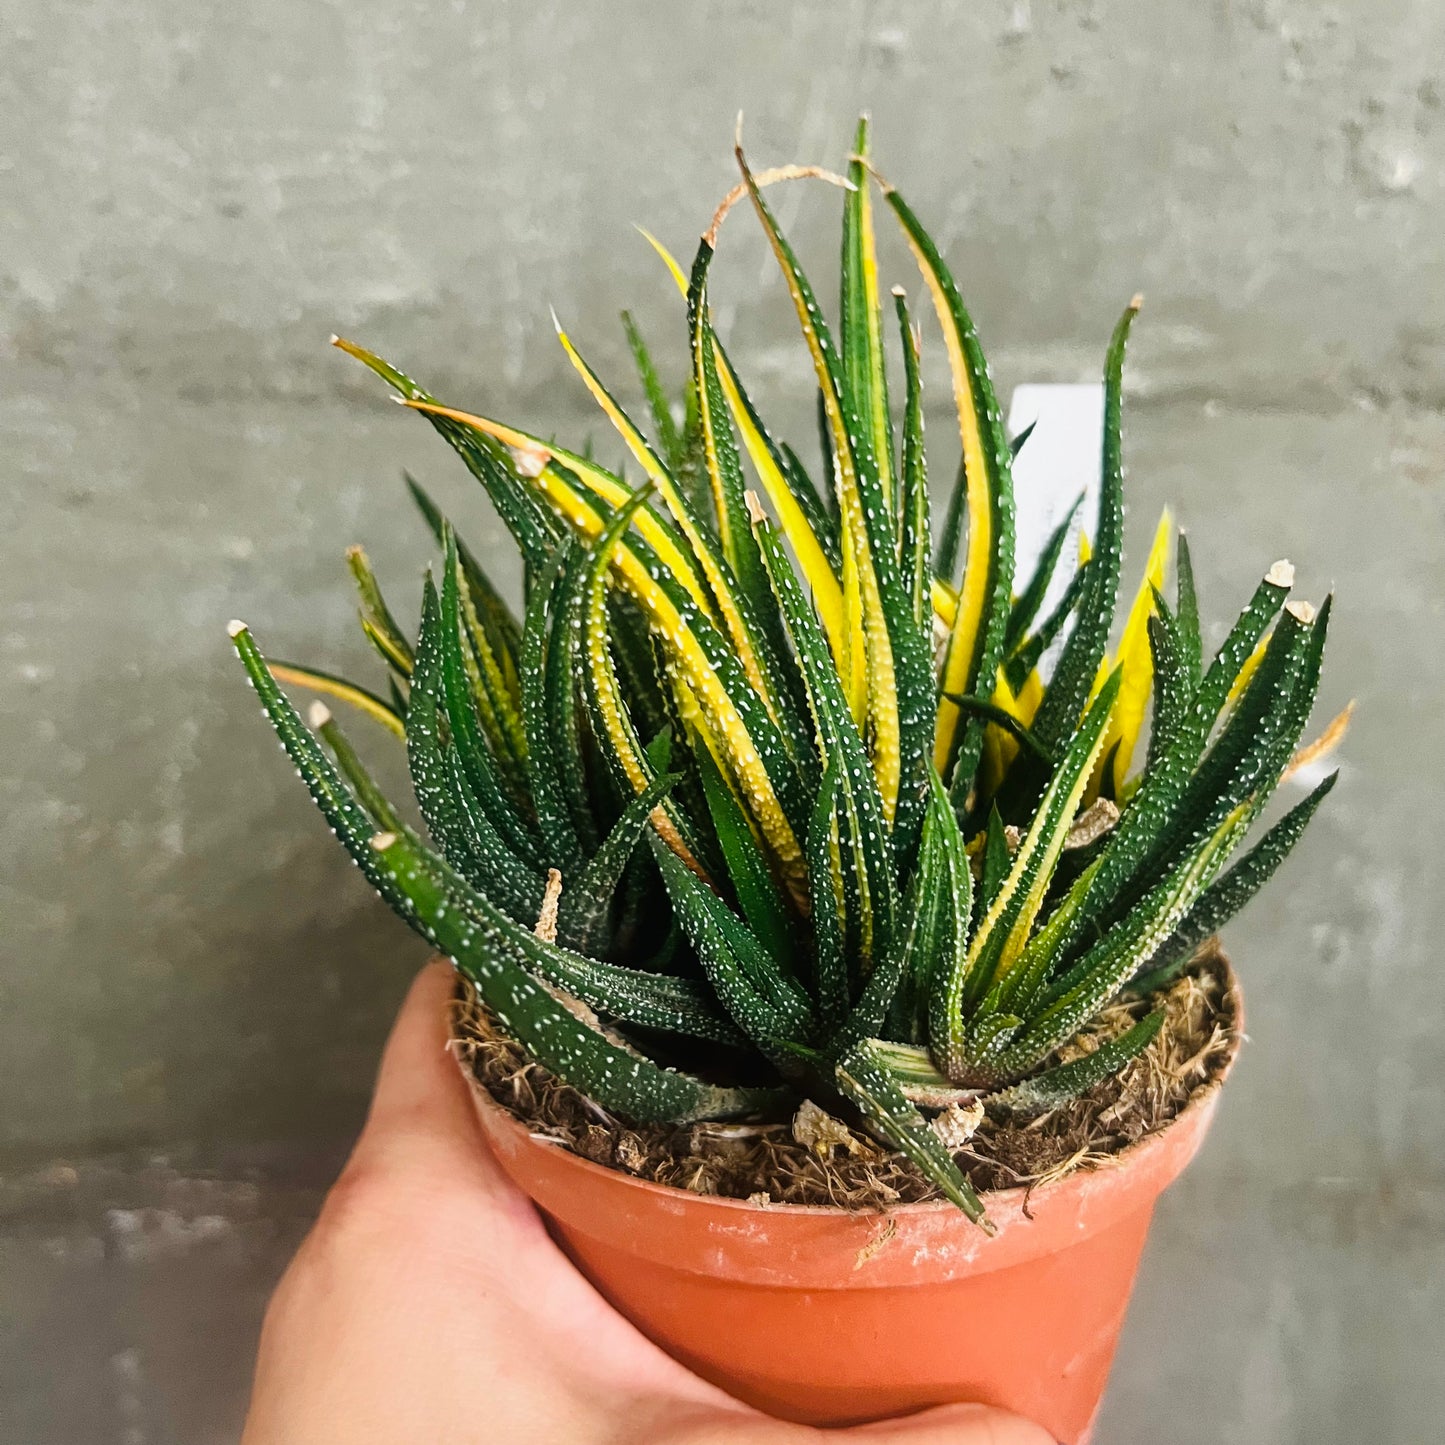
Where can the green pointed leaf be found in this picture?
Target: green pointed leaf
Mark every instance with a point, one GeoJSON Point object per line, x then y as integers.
{"type": "Point", "coordinates": [1104, 970]}
{"type": "Point", "coordinates": [1078, 665]}
{"type": "Point", "coordinates": [762, 999]}
{"type": "Point", "coordinates": [719, 445]}
{"type": "Point", "coordinates": [551, 737]}
{"type": "Point", "coordinates": [669, 436]}
{"type": "Point", "coordinates": [378, 808]}
{"type": "Point", "coordinates": [632, 996]}
{"type": "Point", "coordinates": [945, 902]}
{"type": "Point", "coordinates": [1157, 806]}
{"type": "Point", "coordinates": [389, 715]}
{"type": "Point", "coordinates": [1022, 613]}
{"type": "Point", "coordinates": [757, 891]}
{"type": "Point", "coordinates": [485, 945]}
{"type": "Point", "coordinates": [531, 526]}
{"type": "Point", "coordinates": [1186, 609]}
{"type": "Point", "coordinates": [913, 500]}
{"type": "Point", "coordinates": [1222, 900]}
{"type": "Point", "coordinates": [489, 949]}
{"type": "Point", "coordinates": [996, 856]}
{"type": "Point", "coordinates": [1059, 1085]}
{"type": "Point", "coordinates": [478, 764]}
{"type": "Point", "coordinates": [1001, 717]}
{"type": "Point", "coordinates": [376, 616]}
{"type": "Point", "coordinates": [1031, 650]}
{"type": "Point", "coordinates": [1172, 683]}
{"type": "Point", "coordinates": [950, 534]}
{"type": "Point", "coordinates": [864, 374]}
{"type": "Point", "coordinates": [921, 962]}
{"type": "Point", "coordinates": [863, 1079]}
{"type": "Point", "coordinates": [1247, 757]}
{"type": "Point", "coordinates": [586, 902]}
{"type": "Point", "coordinates": [860, 875]}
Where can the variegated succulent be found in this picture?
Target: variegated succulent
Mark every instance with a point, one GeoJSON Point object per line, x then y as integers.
{"type": "Point", "coordinates": [757, 781]}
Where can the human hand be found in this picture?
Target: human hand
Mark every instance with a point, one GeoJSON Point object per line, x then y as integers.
{"type": "Point", "coordinates": [429, 1304]}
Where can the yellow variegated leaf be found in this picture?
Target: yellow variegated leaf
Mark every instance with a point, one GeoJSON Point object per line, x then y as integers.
{"type": "Point", "coordinates": [1038, 851]}
{"type": "Point", "coordinates": [1000, 746]}
{"type": "Point", "coordinates": [745, 766]}
{"type": "Point", "coordinates": [626, 747]}
{"type": "Point", "coordinates": [976, 592]}
{"type": "Point", "coordinates": [339, 688]}
{"type": "Point", "coordinates": [945, 603]}
{"type": "Point", "coordinates": [537, 457]}
{"type": "Point", "coordinates": [682, 514]}
{"type": "Point", "coordinates": [668, 260]}
{"type": "Point", "coordinates": [818, 572]}
{"type": "Point", "coordinates": [1030, 695]}
{"type": "Point", "coordinates": [869, 682]}
{"type": "Point", "coordinates": [1136, 658]}
{"type": "Point", "coordinates": [1247, 671]}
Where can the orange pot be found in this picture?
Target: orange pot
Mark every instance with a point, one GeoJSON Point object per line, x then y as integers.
{"type": "Point", "coordinates": [817, 1315]}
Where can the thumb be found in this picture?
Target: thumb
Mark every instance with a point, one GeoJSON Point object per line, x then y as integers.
{"type": "Point", "coordinates": [954, 1425]}
{"type": "Point", "coordinates": [422, 1123]}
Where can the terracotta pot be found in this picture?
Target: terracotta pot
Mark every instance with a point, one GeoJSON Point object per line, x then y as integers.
{"type": "Point", "coordinates": [817, 1315]}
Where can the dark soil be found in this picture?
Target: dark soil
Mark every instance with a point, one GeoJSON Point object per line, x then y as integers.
{"type": "Point", "coordinates": [767, 1164]}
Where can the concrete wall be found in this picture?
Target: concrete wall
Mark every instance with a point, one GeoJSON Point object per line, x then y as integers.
{"type": "Point", "coordinates": [193, 982]}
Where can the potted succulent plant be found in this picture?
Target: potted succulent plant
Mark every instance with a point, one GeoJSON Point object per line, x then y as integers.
{"type": "Point", "coordinates": [767, 834]}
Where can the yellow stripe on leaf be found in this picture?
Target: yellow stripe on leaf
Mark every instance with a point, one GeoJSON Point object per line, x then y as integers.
{"type": "Point", "coordinates": [1247, 671]}
{"type": "Point", "coordinates": [343, 691]}
{"type": "Point", "coordinates": [607, 697]}
{"type": "Point", "coordinates": [702, 551]}
{"type": "Point", "coordinates": [602, 483]}
{"type": "Point", "coordinates": [976, 591]}
{"type": "Point", "coordinates": [1136, 658]}
{"type": "Point", "coordinates": [882, 438]}
{"type": "Point", "coordinates": [746, 766]}
{"type": "Point", "coordinates": [817, 571]}
{"type": "Point", "coordinates": [869, 681]}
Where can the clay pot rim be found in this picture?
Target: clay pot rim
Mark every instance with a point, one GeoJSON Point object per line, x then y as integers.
{"type": "Point", "coordinates": [1016, 1198]}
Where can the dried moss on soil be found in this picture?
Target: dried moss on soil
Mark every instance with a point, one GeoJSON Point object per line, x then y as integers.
{"type": "Point", "coordinates": [764, 1162]}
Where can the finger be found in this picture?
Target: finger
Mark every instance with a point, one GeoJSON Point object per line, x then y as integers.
{"type": "Point", "coordinates": [954, 1425]}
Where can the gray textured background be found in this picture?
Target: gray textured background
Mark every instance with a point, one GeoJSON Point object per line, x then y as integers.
{"type": "Point", "coordinates": [193, 982]}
